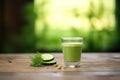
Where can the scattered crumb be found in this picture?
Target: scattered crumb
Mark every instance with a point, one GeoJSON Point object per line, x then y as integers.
{"type": "Point", "coordinates": [47, 68]}
{"type": "Point", "coordinates": [9, 61]}
{"type": "Point", "coordinates": [58, 66]}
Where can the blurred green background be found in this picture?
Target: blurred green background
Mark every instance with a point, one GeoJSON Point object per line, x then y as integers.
{"type": "Point", "coordinates": [47, 21]}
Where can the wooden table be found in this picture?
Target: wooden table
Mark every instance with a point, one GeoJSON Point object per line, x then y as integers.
{"type": "Point", "coordinates": [94, 66]}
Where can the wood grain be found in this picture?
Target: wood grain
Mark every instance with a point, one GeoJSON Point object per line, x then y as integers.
{"type": "Point", "coordinates": [95, 66]}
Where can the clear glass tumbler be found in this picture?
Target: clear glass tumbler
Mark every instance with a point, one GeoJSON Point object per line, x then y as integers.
{"type": "Point", "coordinates": [72, 49]}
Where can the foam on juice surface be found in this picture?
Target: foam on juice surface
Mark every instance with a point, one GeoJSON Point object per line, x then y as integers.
{"type": "Point", "coordinates": [72, 44]}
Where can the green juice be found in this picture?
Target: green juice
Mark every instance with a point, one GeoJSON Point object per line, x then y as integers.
{"type": "Point", "coordinates": [72, 51]}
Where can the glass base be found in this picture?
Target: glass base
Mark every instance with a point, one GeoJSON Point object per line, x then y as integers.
{"type": "Point", "coordinates": [72, 64]}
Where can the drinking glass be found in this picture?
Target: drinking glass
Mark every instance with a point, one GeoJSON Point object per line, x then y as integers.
{"type": "Point", "coordinates": [72, 49]}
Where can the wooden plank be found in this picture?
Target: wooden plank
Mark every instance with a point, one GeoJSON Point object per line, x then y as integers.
{"type": "Point", "coordinates": [89, 63]}
{"type": "Point", "coordinates": [93, 67]}
{"type": "Point", "coordinates": [53, 76]}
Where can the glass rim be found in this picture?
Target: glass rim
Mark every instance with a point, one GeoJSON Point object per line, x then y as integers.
{"type": "Point", "coordinates": [72, 38]}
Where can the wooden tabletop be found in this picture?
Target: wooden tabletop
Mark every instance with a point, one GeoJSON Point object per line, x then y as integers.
{"type": "Point", "coordinates": [93, 66]}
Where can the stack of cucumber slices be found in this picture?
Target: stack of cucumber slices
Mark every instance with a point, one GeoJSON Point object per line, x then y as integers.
{"type": "Point", "coordinates": [48, 59]}
{"type": "Point", "coordinates": [42, 59]}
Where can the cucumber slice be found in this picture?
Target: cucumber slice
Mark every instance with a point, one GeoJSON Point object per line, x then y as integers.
{"type": "Point", "coordinates": [49, 62]}
{"type": "Point", "coordinates": [47, 57]}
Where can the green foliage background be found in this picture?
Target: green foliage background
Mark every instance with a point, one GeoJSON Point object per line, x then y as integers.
{"type": "Point", "coordinates": [49, 39]}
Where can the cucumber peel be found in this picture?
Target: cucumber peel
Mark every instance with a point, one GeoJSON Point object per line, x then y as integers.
{"type": "Point", "coordinates": [49, 62]}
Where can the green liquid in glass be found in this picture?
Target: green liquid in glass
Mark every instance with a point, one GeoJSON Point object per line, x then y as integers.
{"type": "Point", "coordinates": [72, 51]}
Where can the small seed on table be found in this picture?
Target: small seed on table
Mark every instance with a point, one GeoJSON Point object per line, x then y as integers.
{"type": "Point", "coordinates": [59, 67]}
{"type": "Point", "coordinates": [10, 61]}
{"type": "Point", "coordinates": [56, 65]}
